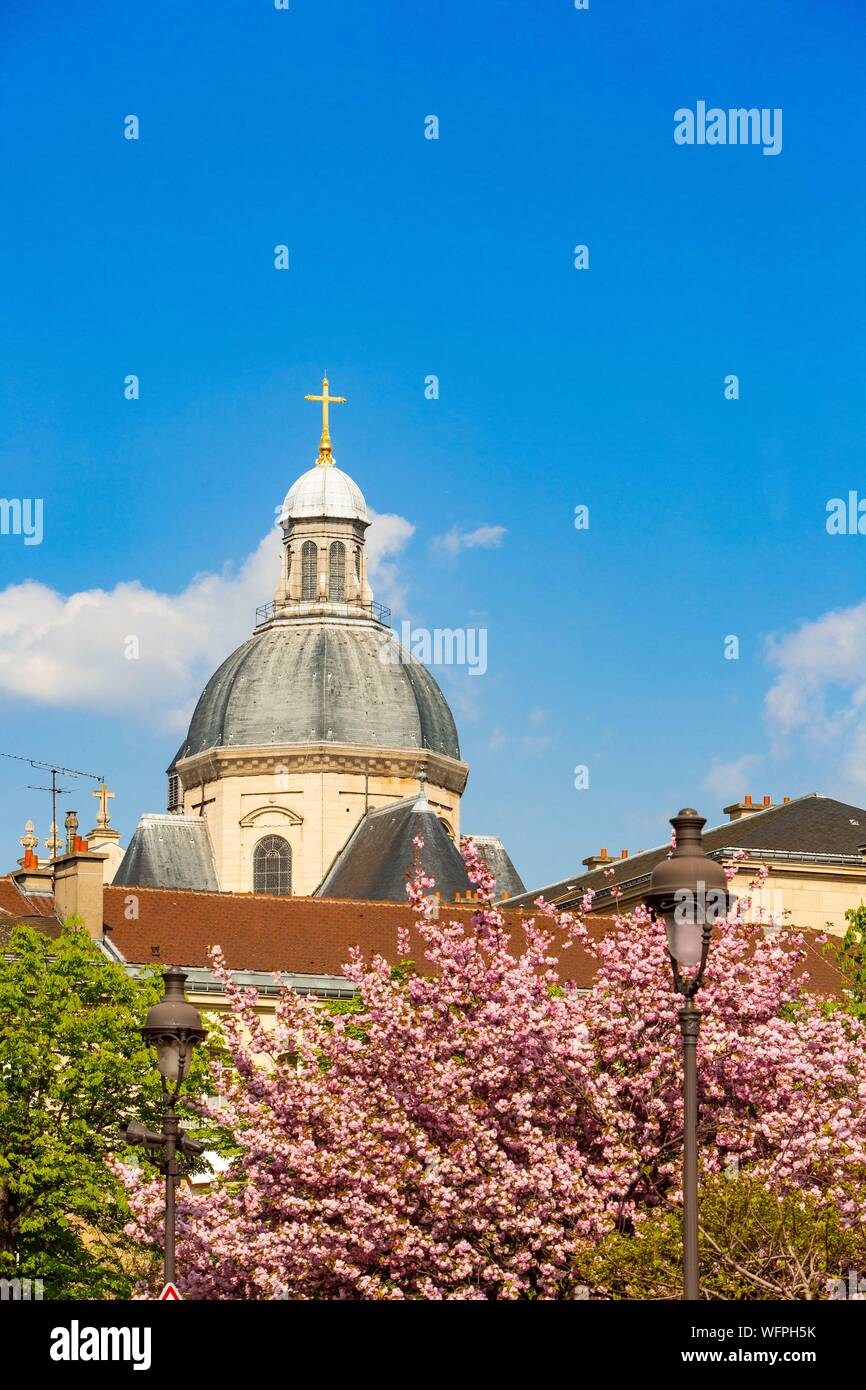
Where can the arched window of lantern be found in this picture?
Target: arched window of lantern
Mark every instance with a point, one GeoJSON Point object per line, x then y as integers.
{"type": "Point", "coordinates": [272, 866]}
{"type": "Point", "coordinates": [337, 572]}
{"type": "Point", "coordinates": [309, 558]}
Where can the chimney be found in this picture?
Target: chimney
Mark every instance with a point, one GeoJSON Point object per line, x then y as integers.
{"type": "Point", "coordinates": [624, 854]}
{"type": "Point", "coordinates": [739, 809]}
{"type": "Point", "coordinates": [78, 879]}
{"type": "Point", "coordinates": [598, 861]}
{"type": "Point", "coordinates": [31, 878]}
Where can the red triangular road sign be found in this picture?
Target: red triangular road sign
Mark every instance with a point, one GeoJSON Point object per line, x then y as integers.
{"type": "Point", "coordinates": [170, 1295]}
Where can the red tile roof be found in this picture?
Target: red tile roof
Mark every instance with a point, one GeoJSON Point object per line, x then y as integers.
{"type": "Point", "coordinates": [16, 903]}
{"type": "Point", "coordinates": [305, 936]}
{"type": "Point", "coordinates": [302, 936]}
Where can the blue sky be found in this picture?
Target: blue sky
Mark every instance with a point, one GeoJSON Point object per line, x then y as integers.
{"type": "Point", "coordinates": [558, 387]}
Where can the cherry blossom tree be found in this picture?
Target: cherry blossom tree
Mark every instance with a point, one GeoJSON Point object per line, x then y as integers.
{"type": "Point", "coordinates": [472, 1126]}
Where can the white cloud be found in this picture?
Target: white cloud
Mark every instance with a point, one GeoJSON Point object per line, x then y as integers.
{"type": "Point", "coordinates": [386, 538]}
{"type": "Point", "coordinates": [728, 781]}
{"type": "Point", "coordinates": [820, 686]}
{"type": "Point", "coordinates": [69, 650]}
{"type": "Point", "coordinates": [455, 540]}
{"type": "Point", "coordinates": [823, 661]}
{"type": "Point", "coordinates": [538, 719]}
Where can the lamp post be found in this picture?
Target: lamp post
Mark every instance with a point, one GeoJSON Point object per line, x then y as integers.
{"type": "Point", "coordinates": [174, 1028]}
{"type": "Point", "coordinates": [690, 893]}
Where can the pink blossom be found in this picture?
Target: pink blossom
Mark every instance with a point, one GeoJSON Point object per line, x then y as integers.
{"type": "Point", "coordinates": [468, 1132]}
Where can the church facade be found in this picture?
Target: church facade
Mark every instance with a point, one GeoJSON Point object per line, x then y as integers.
{"type": "Point", "coordinates": [320, 719]}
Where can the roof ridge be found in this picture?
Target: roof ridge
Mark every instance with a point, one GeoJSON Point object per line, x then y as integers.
{"type": "Point", "coordinates": [750, 817]}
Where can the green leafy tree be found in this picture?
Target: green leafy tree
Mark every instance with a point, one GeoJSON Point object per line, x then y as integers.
{"type": "Point", "coordinates": [73, 1069]}
{"type": "Point", "coordinates": [850, 956]}
{"type": "Point", "coordinates": [754, 1244]}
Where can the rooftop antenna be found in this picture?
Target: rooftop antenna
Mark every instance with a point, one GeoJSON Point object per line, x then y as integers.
{"type": "Point", "coordinates": [54, 789]}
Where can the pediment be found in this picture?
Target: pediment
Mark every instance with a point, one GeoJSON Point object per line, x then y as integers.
{"type": "Point", "coordinates": [274, 815]}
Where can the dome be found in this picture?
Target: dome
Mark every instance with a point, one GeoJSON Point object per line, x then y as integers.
{"type": "Point", "coordinates": [324, 490]}
{"type": "Point", "coordinates": [322, 682]}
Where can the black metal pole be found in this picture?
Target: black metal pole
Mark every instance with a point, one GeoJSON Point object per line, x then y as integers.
{"type": "Point", "coordinates": [53, 827]}
{"type": "Point", "coordinates": [170, 1169]}
{"type": "Point", "coordinates": [690, 1024]}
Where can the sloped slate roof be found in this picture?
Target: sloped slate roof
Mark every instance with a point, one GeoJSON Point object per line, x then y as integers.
{"type": "Point", "coordinates": [313, 682]}
{"type": "Point", "coordinates": [169, 851]}
{"type": "Point", "coordinates": [810, 825]}
{"type": "Point", "coordinates": [376, 860]}
{"type": "Point", "coordinates": [498, 860]}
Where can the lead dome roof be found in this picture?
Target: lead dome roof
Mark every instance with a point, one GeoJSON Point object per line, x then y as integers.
{"type": "Point", "coordinates": [322, 682]}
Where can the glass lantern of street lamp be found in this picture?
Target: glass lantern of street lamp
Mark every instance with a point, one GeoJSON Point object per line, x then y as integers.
{"type": "Point", "coordinates": [689, 891]}
{"type": "Point", "coordinates": [173, 1027]}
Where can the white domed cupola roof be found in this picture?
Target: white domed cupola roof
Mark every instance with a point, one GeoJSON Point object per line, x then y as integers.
{"type": "Point", "coordinates": [324, 490]}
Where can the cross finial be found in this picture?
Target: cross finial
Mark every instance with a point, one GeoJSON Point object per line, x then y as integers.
{"type": "Point", "coordinates": [325, 451]}
{"type": "Point", "coordinates": [103, 818]}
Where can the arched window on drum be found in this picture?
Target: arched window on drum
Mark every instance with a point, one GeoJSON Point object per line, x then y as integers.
{"type": "Point", "coordinates": [272, 866]}
{"type": "Point", "coordinates": [309, 557]}
{"type": "Point", "coordinates": [337, 572]}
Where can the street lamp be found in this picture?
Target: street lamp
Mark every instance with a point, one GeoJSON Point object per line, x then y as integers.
{"type": "Point", "coordinates": [173, 1027]}
{"type": "Point", "coordinates": [690, 893]}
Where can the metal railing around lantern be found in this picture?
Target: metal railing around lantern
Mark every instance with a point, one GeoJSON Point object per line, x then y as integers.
{"type": "Point", "coordinates": [298, 608]}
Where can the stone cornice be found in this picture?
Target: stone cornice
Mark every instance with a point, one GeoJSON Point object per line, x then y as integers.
{"type": "Point", "coordinates": [213, 764]}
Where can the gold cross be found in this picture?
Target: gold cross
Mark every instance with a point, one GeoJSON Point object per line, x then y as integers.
{"type": "Point", "coordinates": [103, 818]}
{"type": "Point", "coordinates": [325, 451]}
